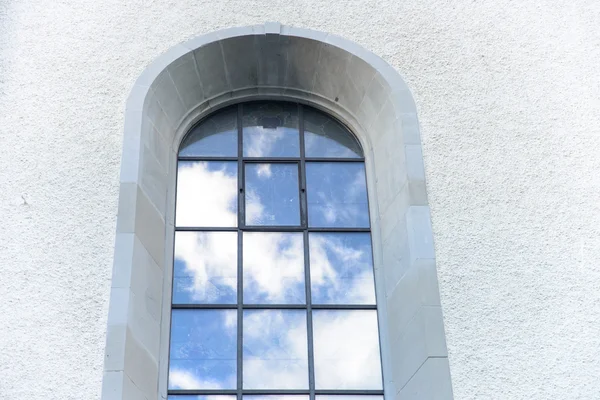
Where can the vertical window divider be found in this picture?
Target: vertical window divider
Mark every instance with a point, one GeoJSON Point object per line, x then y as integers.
{"type": "Point", "coordinates": [240, 258]}
{"type": "Point", "coordinates": [304, 222]}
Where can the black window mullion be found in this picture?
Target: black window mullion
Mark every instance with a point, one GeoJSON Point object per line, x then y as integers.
{"type": "Point", "coordinates": [240, 258]}
{"type": "Point", "coordinates": [304, 222]}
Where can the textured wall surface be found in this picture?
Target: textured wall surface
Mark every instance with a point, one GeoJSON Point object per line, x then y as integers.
{"type": "Point", "coordinates": [509, 101]}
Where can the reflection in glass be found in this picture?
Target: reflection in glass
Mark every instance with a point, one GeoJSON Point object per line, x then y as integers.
{"type": "Point", "coordinates": [215, 136]}
{"type": "Point", "coordinates": [272, 194]}
{"type": "Point", "coordinates": [270, 130]}
{"type": "Point", "coordinates": [273, 268]}
{"type": "Point", "coordinates": [205, 269]}
{"type": "Point", "coordinates": [206, 194]}
{"type": "Point", "coordinates": [346, 349]}
{"type": "Point", "coordinates": [275, 349]}
{"type": "Point", "coordinates": [203, 349]}
{"type": "Point", "coordinates": [341, 268]}
{"type": "Point", "coordinates": [337, 195]}
{"type": "Point", "coordinates": [325, 137]}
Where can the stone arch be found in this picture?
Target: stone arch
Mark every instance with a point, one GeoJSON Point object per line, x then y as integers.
{"type": "Point", "coordinates": [273, 61]}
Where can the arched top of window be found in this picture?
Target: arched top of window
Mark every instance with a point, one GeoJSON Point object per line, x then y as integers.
{"type": "Point", "coordinates": [270, 129]}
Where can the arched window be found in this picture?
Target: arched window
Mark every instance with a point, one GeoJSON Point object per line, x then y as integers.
{"type": "Point", "coordinates": [273, 282]}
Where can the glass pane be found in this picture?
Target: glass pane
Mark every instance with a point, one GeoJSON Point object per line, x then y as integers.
{"type": "Point", "coordinates": [207, 193]}
{"type": "Point", "coordinates": [325, 137]}
{"type": "Point", "coordinates": [346, 350]}
{"type": "Point", "coordinates": [341, 268]}
{"type": "Point", "coordinates": [203, 349]}
{"type": "Point", "coordinates": [347, 397]}
{"type": "Point", "coordinates": [274, 268]}
{"type": "Point", "coordinates": [337, 195]}
{"type": "Point", "coordinates": [270, 130]}
{"type": "Point", "coordinates": [216, 136]}
{"type": "Point", "coordinates": [275, 349]}
{"type": "Point", "coordinates": [205, 269]}
{"type": "Point", "coordinates": [272, 194]}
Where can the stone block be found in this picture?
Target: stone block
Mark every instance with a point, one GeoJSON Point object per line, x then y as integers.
{"type": "Point", "coordinates": [420, 235]}
{"type": "Point", "coordinates": [187, 81]}
{"type": "Point", "coordinates": [211, 69]}
{"type": "Point", "coordinates": [168, 98]}
{"type": "Point", "coordinates": [423, 337]}
{"type": "Point", "coordinates": [430, 382]}
{"type": "Point", "coordinates": [241, 62]}
{"type": "Point", "coordinates": [154, 180]}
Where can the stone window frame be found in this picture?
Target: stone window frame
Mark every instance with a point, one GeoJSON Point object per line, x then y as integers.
{"type": "Point", "coordinates": [274, 62]}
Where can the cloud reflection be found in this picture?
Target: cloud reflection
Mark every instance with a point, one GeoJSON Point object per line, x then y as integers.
{"type": "Point", "coordinates": [207, 193]}
{"type": "Point", "coordinates": [273, 268]}
{"type": "Point", "coordinates": [275, 349]}
{"type": "Point", "coordinates": [341, 268]}
{"type": "Point", "coordinates": [346, 350]}
{"type": "Point", "coordinates": [337, 195]}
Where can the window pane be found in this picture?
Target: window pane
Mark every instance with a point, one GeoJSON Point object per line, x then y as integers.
{"type": "Point", "coordinates": [207, 193]}
{"type": "Point", "coordinates": [341, 268]}
{"type": "Point", "coordinates": [272, 194]}
{"type": "Point", "coordinates": [205, 269]}
{"type": "Point", "coordinates": [274, 268]}
{"type": "Point", "coordinates": [275, 349]}
{"type": "Point", "coordinates": [270, 130]}
{"type": "Point", "coordinates": [203, 349]}
{"type": "Point", "coordinates": [325, 137]}
{"type": "Point", "coordinates": [337, 195]}
{"type": "Point", "coordinates": [215, 136]}
{"type": "Point", "coordinates": [346, 350]}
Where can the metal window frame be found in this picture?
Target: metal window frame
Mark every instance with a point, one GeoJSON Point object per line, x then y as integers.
{"type": "Point", "coordinates": [303, 228]}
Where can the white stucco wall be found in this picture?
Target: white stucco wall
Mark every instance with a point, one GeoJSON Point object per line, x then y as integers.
{"type": "Point", "coordinates": [509, 102]}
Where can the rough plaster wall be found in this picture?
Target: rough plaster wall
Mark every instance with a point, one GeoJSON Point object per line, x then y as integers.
{"type": "Point", "coordinates": [508, 94]}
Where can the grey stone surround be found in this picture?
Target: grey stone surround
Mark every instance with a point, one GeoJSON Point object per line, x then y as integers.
{"type": "Point", "coordinates": [273, 61]}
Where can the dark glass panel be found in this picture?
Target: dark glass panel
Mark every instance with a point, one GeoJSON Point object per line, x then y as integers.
{"type": "Point", "coordinates": [346, 350]}
{"type": "Point", "coordinates": [272, 194]}
{"type": "Point", "coordinates": [207, 194]}
{"type": "Point", "coordinates": [205, 270]}
{"type": "Point", "coordinates": [325, 137]}
{"type": "Point", "coordinates": [337, 195]}
{"type": "Point", "coordinates": [275, 349]}
{"type": "Point", "coordinates": [274, 268]}
{"type": "Point", "coordinates": [203, 349]}
{"type": "Point", "coordinates": [216, 136]}
{"type": "Point", "coordinates": [341, 268]}
{"type": "Point", "coordinates": [270, 130]}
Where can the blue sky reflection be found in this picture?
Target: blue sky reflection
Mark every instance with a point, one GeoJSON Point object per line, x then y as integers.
{"type": "Point", "coordinates": [203, 349]}
{"type": "Point", "coordinates": [272, 194]}
{"type": "Point", "coordinates": [337, 195]}
{"type": "Point", "coordinates": [341, 268]}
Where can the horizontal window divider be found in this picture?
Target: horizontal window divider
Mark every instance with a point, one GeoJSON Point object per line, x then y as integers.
{"type": "Point", "coordinates": [272, 391]}
{"type": "Point", "coordinates": [329, 159]}
{"type": "Point", "coordinates": [268, 159]}
{"type": "Point", "coordinates": [267, 229]}
{"type": "Point", "coordinates": [206, 158]}
{"type": "Point", "coordinates": [277, 306]}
